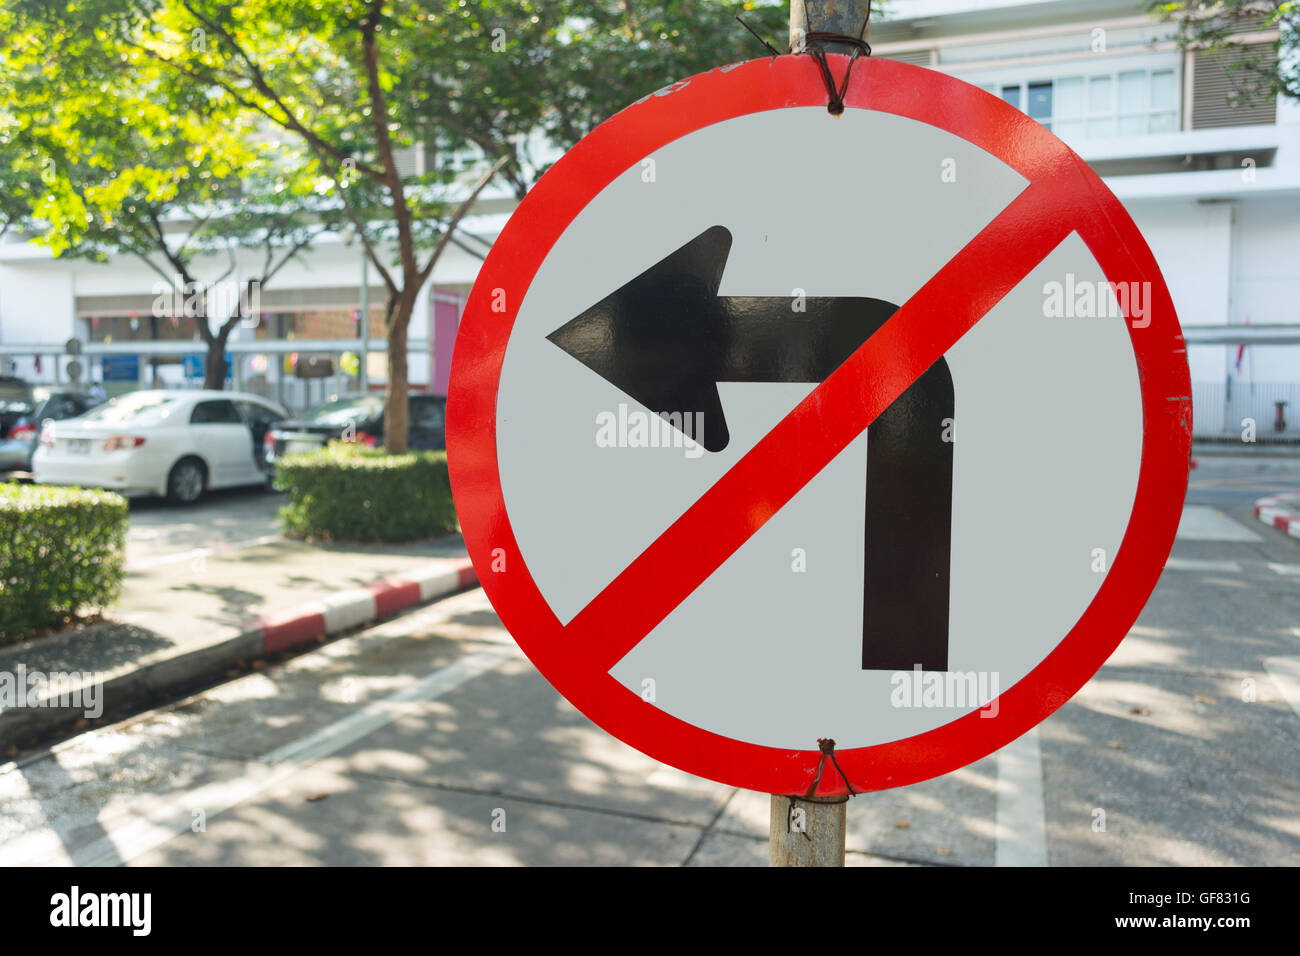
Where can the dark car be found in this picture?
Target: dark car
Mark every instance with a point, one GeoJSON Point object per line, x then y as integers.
{"type": "Point", "coordinates": [17, 401]}
{"type": "Point", "coordinates": [16, 450]}
{"type": "Point", "coordinates": [357, 418]}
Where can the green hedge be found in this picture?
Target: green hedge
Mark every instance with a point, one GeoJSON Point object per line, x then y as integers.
{"type": "Point", "coordinates": [348, 492]}
{"type": "Point", "coordinates": [61, 550]}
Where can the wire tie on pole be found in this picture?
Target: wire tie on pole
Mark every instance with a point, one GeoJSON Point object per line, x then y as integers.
{"type": "Point", "coordinates": [827, 746]}
{"type": "Point", "coordinates": [813, 41]}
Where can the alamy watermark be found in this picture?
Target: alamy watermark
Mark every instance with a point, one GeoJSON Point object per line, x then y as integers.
{"type": "Point", "coordinates": [133, 911]}
{"type": "Point", "coordinates": [1086, 299]}
{"type": "Point", "coordinates": [638, 429]}
{"type": "Point", "coordinates": [78, 690]}
{"type": "Point", "coordinates": [964, 689]}
{"type": "Point", "coordinates": [200, 300]}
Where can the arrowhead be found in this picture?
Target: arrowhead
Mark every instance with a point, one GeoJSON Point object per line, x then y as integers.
{"type": "Point", "coordinates": [661, 337]}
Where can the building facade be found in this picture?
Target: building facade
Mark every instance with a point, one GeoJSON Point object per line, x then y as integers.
{"type": "Point", "coordinates": [1212, 180]}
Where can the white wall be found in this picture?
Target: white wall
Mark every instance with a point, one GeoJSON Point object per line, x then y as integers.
{"type": "Point", "coordinates": [35, 308]}
{"type": "Point", "coordinates": [1192, 243]}
{"type": "Point", "coordinates": [1267, 281]}
{"type": "Point", "coordinates": [38, 293]}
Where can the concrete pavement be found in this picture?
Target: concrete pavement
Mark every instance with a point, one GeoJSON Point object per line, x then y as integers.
{"type": "Point", "coordinates": [183, 623]}
{"type": "Point", "coordinates": [429, 739]}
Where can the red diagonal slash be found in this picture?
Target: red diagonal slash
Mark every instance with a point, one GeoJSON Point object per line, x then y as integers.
{"type": "Point", "coordinates": [823, 424]}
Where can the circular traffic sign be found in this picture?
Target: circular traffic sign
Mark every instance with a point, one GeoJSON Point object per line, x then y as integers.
{"type": "Point", "coordinates": [719, 313]}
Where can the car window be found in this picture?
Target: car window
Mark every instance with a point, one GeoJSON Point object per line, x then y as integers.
{"type": "Point", "coordinates": [136, 408]}
{"type": "Point", "coordinates": [256, 414]}
{"type": "Point", "coordinates": [58, 407]}
{"type": "Point", "coordinates": [428, 412]}
{"type": "Point", "coordinates": [16, 391]}
{"type": "Point", "coordinates": [340, 411]}
{"type": "Point", "coordinates": [219, 411]}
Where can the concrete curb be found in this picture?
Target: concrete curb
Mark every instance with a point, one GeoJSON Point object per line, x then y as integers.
{"type": "Point", "coordinates": [131, 691]}
{"type": "Point", "coordinates": [1281, 512]}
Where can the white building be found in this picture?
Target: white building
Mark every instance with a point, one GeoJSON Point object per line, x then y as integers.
{"type": "Point", "coordinates": [311, 307]}
{"type": "Point", "coordinates": [1213, 184]}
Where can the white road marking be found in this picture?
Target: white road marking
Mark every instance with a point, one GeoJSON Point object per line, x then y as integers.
{"type": "Point", "coordinates": [1195, 564]}
{"type": "Point", "coordinates": [1203, 523]}
{"type": "Point", "coordinates": [137, 835]}
{"type": "Point", "coordinates": [194, 554]}
{"type": "Point", "coordinates": [1284, 569]}
{"type": "Point", "coordinates": [1285, 672]}
{"type": "Point", "coordinates": [1021, 812]}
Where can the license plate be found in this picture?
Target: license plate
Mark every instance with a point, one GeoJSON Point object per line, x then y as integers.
{"type": "Point", "coordinates": [300, 447]}
{"type": "Point", "coordinates": [78, 446]}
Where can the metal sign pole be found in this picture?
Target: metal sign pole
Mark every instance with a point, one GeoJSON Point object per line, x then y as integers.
{"type": "Point", "coordinates": [810, 831]}
{"type": "Point", "coordinates": [807, 831]}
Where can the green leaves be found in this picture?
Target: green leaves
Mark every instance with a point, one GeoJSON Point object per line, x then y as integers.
{"type": "Point", "coordinates": [347, 492]}
{"type": "Point", "coordinates": [62, 550]}
{"type": "Point", "coordinates": [1213, 24]}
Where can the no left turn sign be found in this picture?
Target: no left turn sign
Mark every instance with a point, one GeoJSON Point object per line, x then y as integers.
{"type": "Point", "coordinates": [767, 425]}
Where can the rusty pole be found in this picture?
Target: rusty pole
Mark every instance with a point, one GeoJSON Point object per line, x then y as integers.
{"type": "Point", "coordinates": [846, 17]}
{"type": "Point", "coordinates": [806, 831]}
{"type": "Point", "coordinates": [809, 831]}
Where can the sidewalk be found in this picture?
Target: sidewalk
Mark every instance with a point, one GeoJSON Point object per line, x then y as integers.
{"type": "Point", "coordinates": [183, 624]}
{"type": "Point", "coordinates": [1262, 450]}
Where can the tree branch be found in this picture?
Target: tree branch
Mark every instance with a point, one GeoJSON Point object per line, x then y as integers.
{"type": "Point", "coordinates": [461, 211]}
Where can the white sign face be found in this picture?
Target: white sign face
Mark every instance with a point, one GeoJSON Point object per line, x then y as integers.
{"type": "Point", "coordinates": [1046, 434]}
{"type": "Point", "coordinates": [771, 427]}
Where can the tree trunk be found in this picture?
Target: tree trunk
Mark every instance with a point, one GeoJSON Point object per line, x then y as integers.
{"type": "Point", "coordinates": [214, 363]}
{"type": "Point", "coordinates": [397, 416]}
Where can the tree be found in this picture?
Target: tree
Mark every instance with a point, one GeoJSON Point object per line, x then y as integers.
{"type": "Point", "coordinates": [127, 163]}
{"type": "Point", "coordinates": [21, 183]}
{"type": "Point", "coordinates": [463, 85]}
{"type": "Point", "coordinates": [360, 84]}
{"type": "Point", "coordinates": [333, 75]}
{"type": "Point", "coordinates": [562, 67]}
{"type": "Point", "coordinates": [1212, 25]}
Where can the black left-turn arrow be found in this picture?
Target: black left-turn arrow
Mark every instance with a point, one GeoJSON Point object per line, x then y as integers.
{"type": "Point", "coordinates": [666, 339]}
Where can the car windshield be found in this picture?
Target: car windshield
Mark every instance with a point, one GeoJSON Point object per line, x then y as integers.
{"type": "Point", "coordinates": [138, 408]}
{"type": "Point", "coordinates": [15, 394]}
{"type": "Point", "coordinates": [340, 411]}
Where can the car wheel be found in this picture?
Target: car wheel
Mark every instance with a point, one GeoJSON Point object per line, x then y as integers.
{"type": "Point", "coordinates": [186, 481]}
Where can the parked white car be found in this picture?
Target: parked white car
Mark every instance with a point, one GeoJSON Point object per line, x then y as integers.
{"type": "Point", "coordinates": [174, 442]}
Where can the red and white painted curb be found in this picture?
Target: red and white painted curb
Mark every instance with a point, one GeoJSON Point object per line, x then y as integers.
{"type": "Point", "coordinates": [136, 688]}
{"type": "Point", "coordinates": [1281, 512]}
{"type": "Point", "coordinates": [350, 609]}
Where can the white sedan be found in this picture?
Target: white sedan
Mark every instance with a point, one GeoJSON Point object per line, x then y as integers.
{"type": "Point", "coordinates": [177, 443]}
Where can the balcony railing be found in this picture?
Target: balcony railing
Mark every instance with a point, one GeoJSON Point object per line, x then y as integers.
{"type": "Point", "coordinates": [1221, 411]}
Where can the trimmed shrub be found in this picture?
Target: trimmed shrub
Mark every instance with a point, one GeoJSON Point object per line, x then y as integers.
{"type": "Point", "coordinates": [61, 550]}
{"type": "Point", "coordinates": [348, 492]}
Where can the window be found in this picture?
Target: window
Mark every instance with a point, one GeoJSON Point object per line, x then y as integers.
{"type": "Point", "coordinates": [60, 407]}
{"type": "Point", "coordinates": [219, 412]}
{"type": "Point", "coordinates": [428, 413]}
{"type": "Point", "coordinates": [259, 416]}
{"type": "Point", "coordinates": [135, 408]}
{"type": "Point", "coordinates": [1098, 106]}
{"type": "Point", "coordinates": [341, 411]}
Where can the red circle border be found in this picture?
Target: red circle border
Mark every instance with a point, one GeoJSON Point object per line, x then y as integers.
{"type": "Point", "coordinates": [618, 144]}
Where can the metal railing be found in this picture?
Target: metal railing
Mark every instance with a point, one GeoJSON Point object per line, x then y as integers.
{"type": "Point", "coordinates": [1223, 410]}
